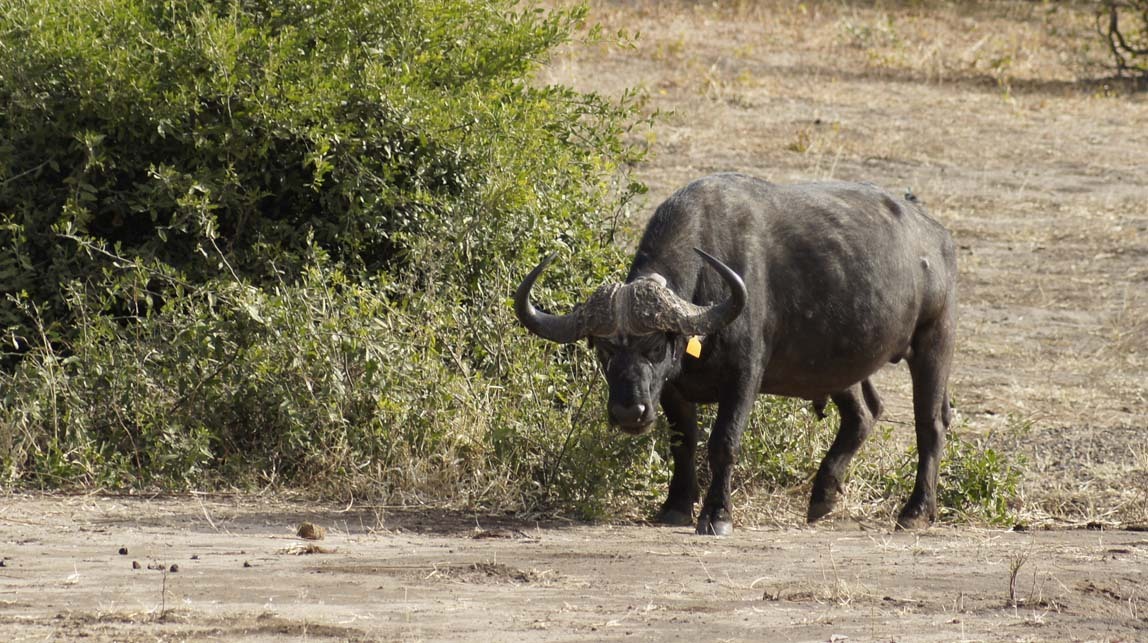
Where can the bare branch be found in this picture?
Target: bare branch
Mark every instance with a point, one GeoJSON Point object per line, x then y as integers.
{"type": "Point", "coordinates": [1130, 56]}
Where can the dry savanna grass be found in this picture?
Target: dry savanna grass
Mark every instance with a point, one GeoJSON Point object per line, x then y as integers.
{"type": "Point", "coordinates": [1001, 117]}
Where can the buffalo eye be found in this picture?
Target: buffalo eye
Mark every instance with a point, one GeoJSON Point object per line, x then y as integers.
{"type": "Point", "coordinates": [605, 349]}
{"type": "Point", "coordinates": [653, 347]}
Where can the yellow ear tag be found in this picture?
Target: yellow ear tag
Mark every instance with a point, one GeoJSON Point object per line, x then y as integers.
{"type": "Point", "coordinates": [694, 347]}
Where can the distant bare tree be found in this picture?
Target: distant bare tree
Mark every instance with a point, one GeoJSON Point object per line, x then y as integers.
{"type": "Point", "coordinates": [1124, 23]}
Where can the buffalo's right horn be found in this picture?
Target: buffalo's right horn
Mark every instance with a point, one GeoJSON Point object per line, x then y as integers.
{"type": "Point", "coordinates": [563, 329]}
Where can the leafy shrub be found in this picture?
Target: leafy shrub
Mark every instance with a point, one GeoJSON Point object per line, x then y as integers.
{"type": "Point", "coordinates": [326, 384]}
{"type": "Point", "coordinates": [248, 242]}
{"type": "Point", "coordinates": [224, 139]}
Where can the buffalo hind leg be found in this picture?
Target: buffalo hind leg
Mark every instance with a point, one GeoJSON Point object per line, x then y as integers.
{"type": "Point", "coordinates": [859, 407]}
{"type": "Point", "coordinates": [678, 509]}
{"type": "Point", "coordinates": [929, 367]}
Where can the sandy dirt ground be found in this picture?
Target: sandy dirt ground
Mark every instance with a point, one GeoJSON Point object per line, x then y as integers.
{"type": "Point", "coordinates": [231, 569]}
{"type": "Point", "coordinates": [987, 112]}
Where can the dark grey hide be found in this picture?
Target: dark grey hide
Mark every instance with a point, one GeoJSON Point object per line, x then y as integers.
{"type": "Point", "coordinates": [839, 279]}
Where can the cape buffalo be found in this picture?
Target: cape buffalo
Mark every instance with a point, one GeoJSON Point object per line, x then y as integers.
{"type": "Point", "coordinates": [818, 286]}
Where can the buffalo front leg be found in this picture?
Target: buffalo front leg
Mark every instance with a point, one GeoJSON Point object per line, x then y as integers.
{"type": "Point", "coordinates": [929, 367]}
{"type": "Point", "coordinates": [859, 408]}
{"type": "Point", "coordinates": [678, 509]}
{"type": "Point", "coordinates": [716, 518]}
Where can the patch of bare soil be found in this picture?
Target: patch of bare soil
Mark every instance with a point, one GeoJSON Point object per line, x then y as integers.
{"type": "Point", "coordinates": [410, 575]}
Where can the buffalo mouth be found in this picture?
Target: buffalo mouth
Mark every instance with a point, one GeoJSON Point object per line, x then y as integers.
{"type": "Point", "coordinates": [636, 428]}
{"type": "Point", "coordinates": [634, 419]}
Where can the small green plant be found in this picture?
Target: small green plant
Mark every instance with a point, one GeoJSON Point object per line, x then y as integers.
{"type": "Point", "coordinates": [785, 443]}
{"type": "Point", "coordinates": [979, 483]}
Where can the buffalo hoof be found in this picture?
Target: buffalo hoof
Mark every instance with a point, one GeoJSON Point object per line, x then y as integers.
{"type": "Point", "coordinates": [818, 510]}
{"type": "Point", "coordinates": [715, 522]}
{"type": "Point", "coordinates": [822, 501]}
{"type": "Point", "coordinates": [676, 517]}
{"type": "Point", "coordinates": [913, 519]}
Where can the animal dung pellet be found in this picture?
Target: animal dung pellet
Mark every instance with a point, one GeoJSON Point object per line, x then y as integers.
{"type": "Point", "coordinates": [311, 531]}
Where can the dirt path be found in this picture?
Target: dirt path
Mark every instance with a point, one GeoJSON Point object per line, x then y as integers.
{"type": "Point", "coordinates": [432, 576]}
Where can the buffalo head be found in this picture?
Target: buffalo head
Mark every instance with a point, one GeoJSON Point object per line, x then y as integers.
{"type": "Point", "coordinates": [639, 331]}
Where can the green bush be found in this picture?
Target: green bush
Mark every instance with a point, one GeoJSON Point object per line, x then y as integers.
{"type": "Point", "coordinates": [248, 242]}
{"type": "Point", "coordinates": [225, 139]}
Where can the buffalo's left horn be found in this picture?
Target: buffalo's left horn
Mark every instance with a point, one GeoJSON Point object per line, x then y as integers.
{"type": "Point", "coordinates": [563, 329]}
{"type": "Point", "coordinates": [703, 320]}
